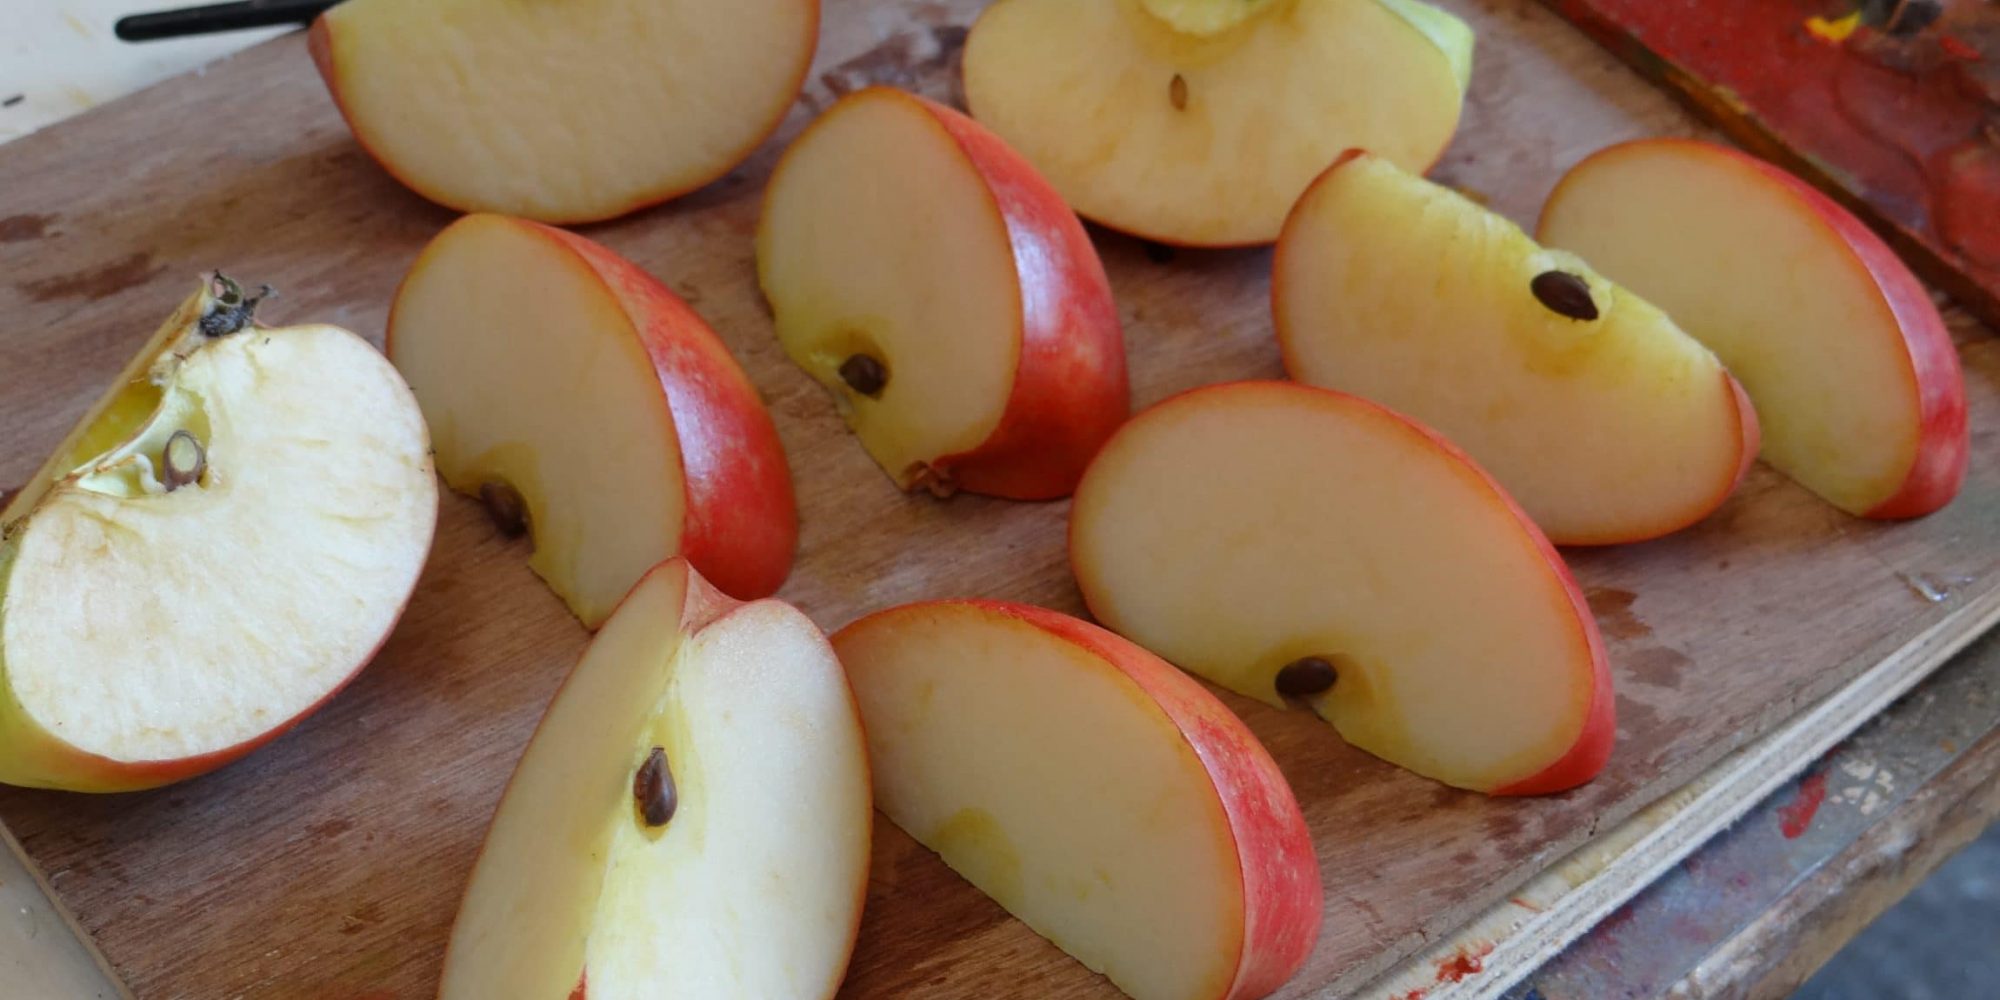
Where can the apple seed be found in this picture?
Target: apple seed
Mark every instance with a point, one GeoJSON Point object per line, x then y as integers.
{"type": "Point", "coordinates": [182, 461]}
{"type": "Point", "coordinates": [1307, 675]}
{"type": "Point", "coordinates": [864, 374]}
{"type": "Point", "coordinates": [1177, 92]}
{"type": "Point", "coordinates": [653, 789]}
{"type": "Point", "coordinates": [505, 506]}
{"type": "Point", "coordinates": [1565, 294]}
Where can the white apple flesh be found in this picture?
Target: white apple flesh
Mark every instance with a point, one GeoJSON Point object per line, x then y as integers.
{"type": "Point", "coordinates": [750, 883]}
{"type": "Point", "coordinates": [1241, 529]}
{"type": "Point", "coordinates": [223, 542]}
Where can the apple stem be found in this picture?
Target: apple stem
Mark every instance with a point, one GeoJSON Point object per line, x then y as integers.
{"type": "Point", "coordinates": [653, 789]}
{"type": "Point", "coordinates": [1307, 675]}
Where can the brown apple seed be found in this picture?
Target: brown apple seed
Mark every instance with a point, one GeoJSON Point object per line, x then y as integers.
{"type": "Point", "coordinates": [1307, 675]}
{"type": "Point", "coordinates": [1177, 92]}
{"type": "Point", "coordinates": [182, 461]}
{"type": "Point", "coordinates": [505, 506]}
{"type": "Point", "coordinates": [864, 374]}
{"type": "Point", "coordinates": [653, 789]}
{"type": "Point", "coordinates": [1565, 294]}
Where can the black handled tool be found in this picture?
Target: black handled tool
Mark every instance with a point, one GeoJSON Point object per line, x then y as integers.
{"type": "Point", "coordinates": [219, 17]}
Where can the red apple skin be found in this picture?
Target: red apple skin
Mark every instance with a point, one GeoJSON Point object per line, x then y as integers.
{"type": "Point", "coordinates": [1942, 443]}
{"type": "Point", "coordinates": [1070, 386]}
{"type": "Point", "coordinates": [1746, 414]}
{"type": "Point", "coordinates": [741, 522]}
{"type": "Point", "coordinates": [1587, 756]}
{"type": "Point", "coordinates": [1282, 897]}
{"type": "Point", "coordinates": [319, 44]}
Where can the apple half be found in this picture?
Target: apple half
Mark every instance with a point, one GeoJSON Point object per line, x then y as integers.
{"type": "Point", "coordinates": [693, 812]}
{"type": "Point", "coordinates": [926, 275]}
{"type": "Point", "coordinates": [1288, 542]}
{"type": "Point", "coordinates": [563, 112]}
{"type": "Point", "coordinates": [1100, 795]}
{"type": "Point", "coordinates": [587, 405]}
{"type": "Point", "coordinates": [1199, 122]}
{"type": "Point", "coordinates": [1600, 416]}
{"type": "Point", "coordinates": [1850, 365]}
{"type": "Point", "coordinates": [221, 543]}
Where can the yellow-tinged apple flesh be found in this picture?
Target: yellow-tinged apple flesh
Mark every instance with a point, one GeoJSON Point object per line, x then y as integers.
{"type": "Point", "coordinates": [223, 542]}
{"type": "Point", "coordinates": [901, 235]}
{"type": "Point", "coordinates": [1104, 798]}
{"type": "Point", "coordinates": [551, 365]}
{"type": "Point", "coordinates": [1850, 365]}
{"type": "Point", "coordinates": [753, 885]}
{"type": "Point", "coordinates": [1605, 421]}
{"type": "Point", "coordinates": [562, 112]}
{"type": "Point", "coordinates": [1199, 122]}
{"type": "Point", "coordinates": [1239, 529]}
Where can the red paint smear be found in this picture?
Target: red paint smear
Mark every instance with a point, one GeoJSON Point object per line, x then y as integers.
{"type": "Point", "coordinates": [1412, 995]}
{"type": "Point", "coordinates": [1524, 904]}
{"type": "Point", "coordinates": [1463, 964]}
{"type": "Point", "coordinates": [1794, 819]}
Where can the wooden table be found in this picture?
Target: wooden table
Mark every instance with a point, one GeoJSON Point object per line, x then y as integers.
{"type": "Point", "coordinates": [63, 60]}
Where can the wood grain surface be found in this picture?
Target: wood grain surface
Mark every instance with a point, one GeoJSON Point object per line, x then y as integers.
{"type": "Point", "coordinates": [329, 865]}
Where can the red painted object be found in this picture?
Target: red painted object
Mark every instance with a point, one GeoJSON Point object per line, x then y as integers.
{"type": "Point", "coordinates": [1896, 116]}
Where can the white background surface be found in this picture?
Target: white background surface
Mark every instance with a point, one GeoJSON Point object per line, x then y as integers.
{"type": "Point", "coordinates": [60, 58]}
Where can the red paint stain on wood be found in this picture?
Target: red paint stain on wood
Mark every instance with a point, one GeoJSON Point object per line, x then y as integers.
{"type": "Point", "coordinates": [1464, 963]}
{"type": "Point", "coordinates": [1796, 818]}
{"type": "Point", "coordinates": [1412, 995]}
{"type": "Point", "coordinates": [1524, 904]}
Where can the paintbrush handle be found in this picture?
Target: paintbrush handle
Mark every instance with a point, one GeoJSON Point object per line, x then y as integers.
{"type": "Point", "coordinates": [219, 17]}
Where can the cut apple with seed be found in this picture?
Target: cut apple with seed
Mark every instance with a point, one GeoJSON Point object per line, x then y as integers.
{"type": "Point", "coordinates": [563, 112]}
{"type": "Point", "coordinates": [587, 405]}
{"type": "Point", "coordinates": [1599, 415]}
{"type": "Point", "coordinates": [1199, 122]}
{"type": "Point", "coordinates": [692, 816]}
{"type": "Point", "coordinates": [1288, 542]}
{"type": "Point", "coordinates": [1850, 365]}
{"type": "Point", "coordinates": [221, 544]}
{"type": "Point", "coordinates": [1098, 794]}
{"type": "Point", "coordinates": [926, 275]}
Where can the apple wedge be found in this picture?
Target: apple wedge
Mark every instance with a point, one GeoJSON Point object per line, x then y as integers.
{"type": "Point", "coordinates": [1850, 365]}
{"type": "Point", "coordinates": [563, 112]}
{"type": "Point", "coordinates": [926, 275]}
{"type": "Point", "coordinates": [692, 816]}
{"type": "Point", "coordinates": [1288, 542]}
{"type": "Point", "coordinates": [222, 542]}
{"type": "Point", "coordinates": [1098, 794]}
{"type": "Point", "coordinates": [1605, 421]}
{"type": "Point", "coordinates": [588, 406]}
{"type": "Point", "coordinates": [1199, 122]}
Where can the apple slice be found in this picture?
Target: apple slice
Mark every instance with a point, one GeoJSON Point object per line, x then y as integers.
{"type": "Point", "coordinates": [586, 404]}
{"type": "Point", "coordinates": [1290, 542]}
{"type": "Point", "coordinates": [1849, 363]}
{"type": "Point", "coordinates": [1095, 792]}
{"type": "Point", "coordinates": [1588, 404]}
{"type": "Point", "coordinates": [221, 543]}
{"type": "Point", "coordinates": [563, 112]}
{"type": "Point", "coordinates": [925, 274]}
{"type": "Point", "coordinates": [1198, 122]}
{"type": "Point", "coordinates": [692, 816]}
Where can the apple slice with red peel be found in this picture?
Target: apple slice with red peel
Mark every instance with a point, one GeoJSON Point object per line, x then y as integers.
{"type": "Point", "coordinates": [585, 403]}
{"type": "Point", "coordinates": [926, 275]}
{"type": "Point", "coordinates": [1849, 363]}
{"type": "Point", "coordinates": [1094, 791]}
{"type": "Point", "coordinates": [221, 544]}
{"type": "Point", "coordinates": [692, 812]}
{"type": "Point", "coordinates": [1291, 542]}
{"type": "Point", "coordinates": [1599, 415]}
{"type": "Point", "coordinates": [1198, 122]}
{"type": "Point", "coordinates": [563, 112]}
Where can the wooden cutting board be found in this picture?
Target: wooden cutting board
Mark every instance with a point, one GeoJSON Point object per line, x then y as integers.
{"type": "Point", "coordinates": [329, 865]}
